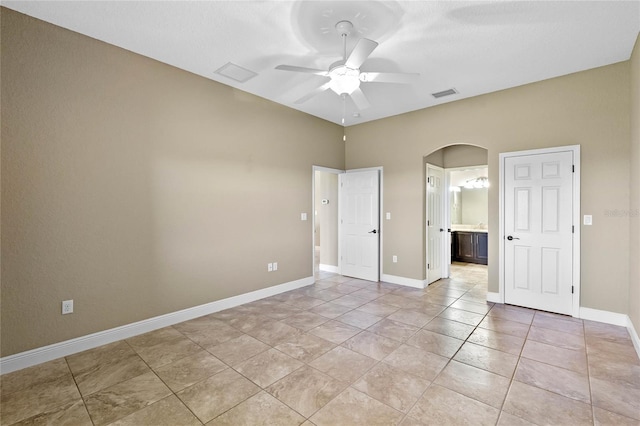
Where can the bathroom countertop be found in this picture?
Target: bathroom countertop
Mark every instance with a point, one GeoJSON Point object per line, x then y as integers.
{"type": "Point", "coordinates": [469, 228]}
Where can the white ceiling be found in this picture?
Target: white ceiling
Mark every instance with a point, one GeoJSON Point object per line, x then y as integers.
{"type": "Point", "coordinates": [474, 47]}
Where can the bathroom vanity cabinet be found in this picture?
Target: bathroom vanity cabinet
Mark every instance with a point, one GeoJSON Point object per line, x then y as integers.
{"type": "Point", "coordinates": [469, 246]}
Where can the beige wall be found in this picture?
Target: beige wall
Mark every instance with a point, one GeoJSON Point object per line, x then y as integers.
{"type": "Point", "coordinates": [138, 189]}
{"type": "Point", "coordinates": [454, 156]}
{"type": "Point", "coordinates": [634, 252]}
{"type": "Point", "coordinates": [463, 156]}
{"type": "Point", "coordinates": [590, 108]}
{"type": "Point", "coordinates": [436, 158]}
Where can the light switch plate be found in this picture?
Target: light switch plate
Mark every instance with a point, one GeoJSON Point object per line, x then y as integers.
{"type": "Point", "coordinates": [388, 216]}
{"type": "Point", "coordinates": [588, 219]}
{"type": "Point", "coordinates": [303, 216]}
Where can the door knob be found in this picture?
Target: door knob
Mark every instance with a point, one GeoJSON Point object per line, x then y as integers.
{"type": "Point", "coordinates": [512, 238]}
{"type": "Point", "coordinates": [373, 232]}
{"type": "Point", "coordinates": [441, 230]}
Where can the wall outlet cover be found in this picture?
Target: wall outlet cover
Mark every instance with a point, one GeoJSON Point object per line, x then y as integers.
{"type": "Point", "coordinates": [67, 307]}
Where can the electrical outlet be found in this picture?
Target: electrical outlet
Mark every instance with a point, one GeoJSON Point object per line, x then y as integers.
{"type": "Point", "coordinates": [67, 307]}
{"type": "Point", "coordinates": [395, 259]}
{"type": "Point", "coordinates": [269, 267]}
{"type": "Point", "coordinates": [275, 266]}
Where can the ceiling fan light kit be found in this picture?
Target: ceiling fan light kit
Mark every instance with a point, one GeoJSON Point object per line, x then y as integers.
{"type": "Point", "coordinates": [344, 80]}
{"type": "Point", "coordinates": [345, 75]}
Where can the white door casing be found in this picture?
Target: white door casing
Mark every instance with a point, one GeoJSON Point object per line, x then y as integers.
{"type": "Point", "coordinates": [435, 223]}
{"type": "Point", "coordinates": [360, 224]}
{"type": "Point", "coordinates": [314, 218]}
{"type": "Point", "coordinates": [538, 230]}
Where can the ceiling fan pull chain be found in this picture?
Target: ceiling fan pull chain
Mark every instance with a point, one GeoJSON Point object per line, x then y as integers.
{"type": "Point", "coordinates": [344, 106]}
{"type": "Point", "coordinates": [344, 44]}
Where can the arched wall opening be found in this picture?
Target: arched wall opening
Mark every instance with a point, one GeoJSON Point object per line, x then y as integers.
{"type": "Point", "coordinates": [465, 229]}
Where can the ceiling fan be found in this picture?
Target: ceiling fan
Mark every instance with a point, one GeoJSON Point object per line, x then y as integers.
{"type": "Point", "coordinates": [345, 75]}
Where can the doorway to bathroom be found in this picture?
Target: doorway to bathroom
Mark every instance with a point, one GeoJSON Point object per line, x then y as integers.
{"type": "Point", "coordinates": [456, 209]}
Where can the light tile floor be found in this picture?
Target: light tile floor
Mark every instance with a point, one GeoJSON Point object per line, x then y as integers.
{"type": "Point", "coordinates": [346, 352]}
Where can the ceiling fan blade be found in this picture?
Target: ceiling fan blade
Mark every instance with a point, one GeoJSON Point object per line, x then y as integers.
{"type": "Point", "coordinates": [302, 69]}
{"type": "Point", "coordinates": [313, 93]}
{"type": "Point", "coordinates": [389, 77]}
{"type": "Point", "coordinates": [360, 53]}
{"type": "Point", "coordinates": [360, 99]}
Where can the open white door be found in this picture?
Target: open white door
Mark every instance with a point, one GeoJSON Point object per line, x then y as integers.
{"type": "Point", "coordinates": [360, 224]}
{"type": "Point", "coordinates": [435, 223]}
{"type": "Point", "coordinates": [538, 230]}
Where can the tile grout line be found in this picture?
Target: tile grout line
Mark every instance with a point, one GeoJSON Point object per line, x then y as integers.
{"type": "Point", "coordinates": [448, 362]}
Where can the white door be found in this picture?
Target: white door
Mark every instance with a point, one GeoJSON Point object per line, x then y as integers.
{"type": "Point", "coordinates": [360, 224]}
{"type": "Point", "coordinates": [435, 223]}
{"type": "Point", "coordinates": [538, 231]}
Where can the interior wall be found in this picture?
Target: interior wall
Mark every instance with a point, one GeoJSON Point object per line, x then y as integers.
{"type": "Point", "coordinates": [589, 108]}
{"type": "Point", "coordinates": [436, 158]}
{"type": "Point", "coordinates": [327, 217]}
{"type": "Point", "coordinates": [634, 216]}
{"type": "Point", "coordinates": [138, 189]}
{"type": "Point", "coordinates": [463, 156]}
{"type": "Point", "coordinates": [473, 206]}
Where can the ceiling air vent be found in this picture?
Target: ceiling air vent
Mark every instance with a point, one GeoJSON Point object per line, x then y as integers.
{"type": "Point", "coordinates": [444, 93]}
{"type": "Point", "coordinates": [235, 72]}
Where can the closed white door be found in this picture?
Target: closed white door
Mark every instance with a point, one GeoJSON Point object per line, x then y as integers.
{"type": "Point", "coordinates": [538, 231]}
{"type": "Point", "coordinates": [435, 223]}
{"type": "Point", "coordinates": [360, 224]}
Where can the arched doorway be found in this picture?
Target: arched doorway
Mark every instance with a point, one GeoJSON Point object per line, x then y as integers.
{"type": "Point", "coordinates": [455, 229]}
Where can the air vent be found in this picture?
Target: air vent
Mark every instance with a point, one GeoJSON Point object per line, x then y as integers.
{"type": "Point", "coordinates": [444, 93]}
{"type": "Point", "coordinates": [235, 72]}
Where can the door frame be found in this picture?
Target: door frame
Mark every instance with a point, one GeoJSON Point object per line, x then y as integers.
{"type": "Point", "coordinates": [379, 169]}
{"type": "Point", "coordinates": [575, 149]}
{"type": "Point", "coordinates": [313, 213]}
{"type": "Point", "coordinates": [446, 223]}
{"type": "Point", "coordinates": [447, 207]}
{"type": "Point", "coordinates": [380, 210]}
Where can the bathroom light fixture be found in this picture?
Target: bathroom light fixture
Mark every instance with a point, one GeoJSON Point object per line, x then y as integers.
{"type": "Point", "coordinates": [480, 182]}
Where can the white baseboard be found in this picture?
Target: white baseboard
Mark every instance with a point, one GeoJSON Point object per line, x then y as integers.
{"type": "Point", "coordinates": [409, 282]}
{"type": "Point", "coordinates": [328, 268]}
{"type": "Point", "coordinates": [57, 350]}
{"type": "Point", "coordinates": [604, 316]}
{"type": "Point", "coordinates": [634, 336]}
{"type": "Point", "coordinates": [494, 297]}
{"type": "Point", "coordinates": [598, 315]}
{"type": "Point", "coordinates": [615, 319]}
